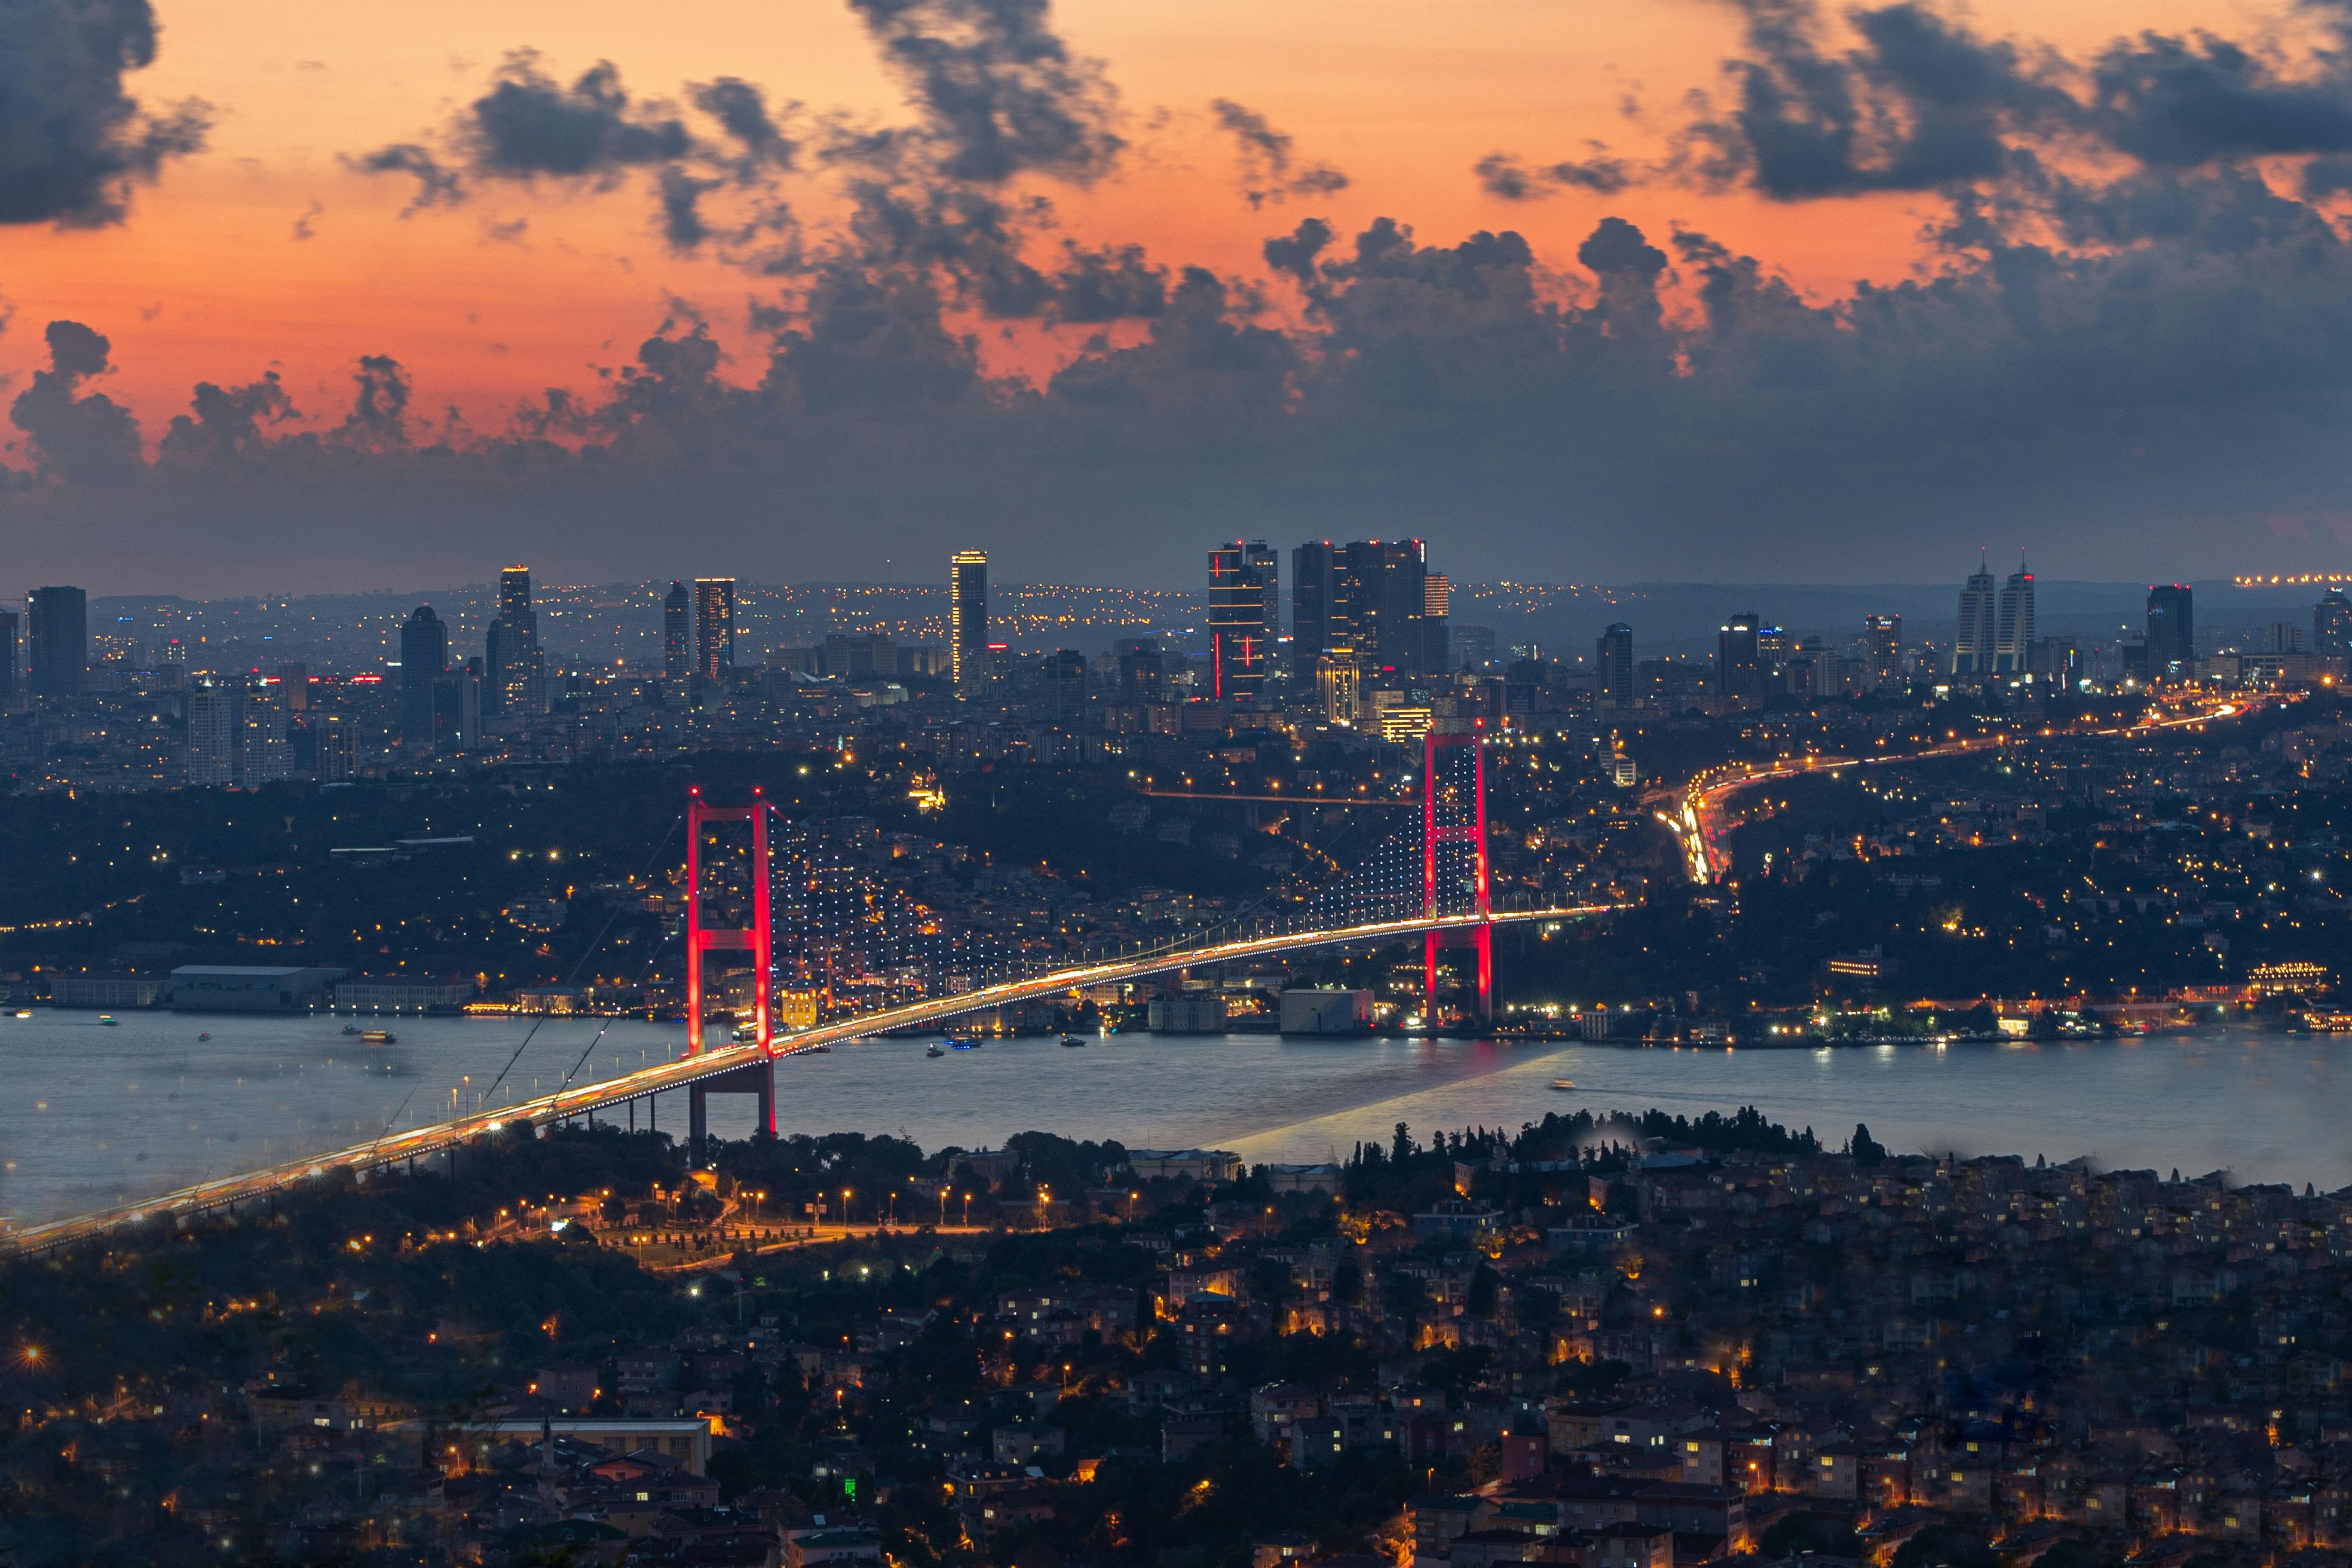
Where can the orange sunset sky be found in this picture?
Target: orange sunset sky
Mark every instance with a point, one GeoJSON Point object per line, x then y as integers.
{"type": "Point", "coordinates": [207, 279]}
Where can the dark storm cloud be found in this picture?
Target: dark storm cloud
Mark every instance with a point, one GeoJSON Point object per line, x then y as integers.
{"type": "Point", "coordinates": [85, 438]}
{"type": "Point", "coordinates": [2182, 102]}
{"type": "Point", "coordinates": [228, 423]}
{"type": "Point", "coordinates": [72, 142]}
{"type": "Point", "coordinates": [1000, 91]}
{"type": "Point", "coordinates": [1921, 103]}
{"type": "Point", "coordinates": [1269, 168]}
{"type": "Point", "coordinates": [529, 124]}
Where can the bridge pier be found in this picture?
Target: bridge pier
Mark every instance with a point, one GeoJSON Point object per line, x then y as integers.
{"type": "Point", "coordinates": [755, 1079]}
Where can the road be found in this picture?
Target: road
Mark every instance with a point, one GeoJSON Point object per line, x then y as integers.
{"type": "Point", "coordinates": [1697, 824]}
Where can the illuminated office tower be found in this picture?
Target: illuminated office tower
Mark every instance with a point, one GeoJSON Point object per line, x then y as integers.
{"type": "Point", "coordinates": [516, 683]}
{"type": "Point", "coordinates": [1320, 629]}
{"type": "Point", "coordinates": [1739, 670]}
{"type": "Point", "coordinates": [2171, 632]}
{"type": "Point", "coordinates": [677, 637]}
{"type": "Point", "coordinates": [263, 755]}
{"type": "Point", "coordinates": [57, 642]}
{"type": "Point", "coordinates": [2013, 631]}
{"type": "Point", "coordinates": [1436, 604]}
{"type": "Point", "coordinates": [1614, 654]}
{"type": "Point", "coordinates": [967, 615]}
{"type": "Point", "coordinates": [1979, 626]}
{"type": "Point", "coordinates": [2331, 625]}
{"type": "Point", "coordinates": [424, 656]}
{"type": "Point", "coordinates": [1884, 637]}
{"type": "Point", "coordinates": [8, 661]}
{"type": "Point", "coordinates": [1239, 639]}
{"type": "Point", "coordinates": [714, 629]}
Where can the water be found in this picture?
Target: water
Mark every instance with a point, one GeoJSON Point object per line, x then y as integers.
{"type": "Point", "coordinates": [91, 1115]}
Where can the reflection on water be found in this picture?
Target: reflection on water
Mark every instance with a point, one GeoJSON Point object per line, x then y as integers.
{"type": "Point", "coordinates": [94, 1114]}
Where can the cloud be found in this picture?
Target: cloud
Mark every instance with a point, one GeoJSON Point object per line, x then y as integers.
{"type": "Point", "coordinates": [1920, 103]}
{"type": "Point", "coordinates": [529, 126]}
{"type": "Point", "coordinates": [1268, 170]}
{"type": "Point", "coordinates": [73, 143]}
{"type": "Point", "coordinates": [1503, 176]}
{"type": "Point", "coordinates": [303, 228]}
{"type": "Point", "coordinates": [1000, 92]}
{"type": "Point", "coordinates": [81, 438]}
{"type": "Point", "coordinates": [2180, 104]}
{"type": "Point", "coordinates": [228, 423]}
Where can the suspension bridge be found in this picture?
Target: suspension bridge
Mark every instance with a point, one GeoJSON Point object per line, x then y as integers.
{"type": "Point", "coordinates": [1431, 880]}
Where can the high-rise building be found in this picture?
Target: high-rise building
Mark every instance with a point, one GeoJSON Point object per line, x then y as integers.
{"type": "Point", "coordinates": [1474, 647]}
{"type": "Point", "coordinates": [1613, 657]}
{"type": "Point", "coordinates": [967, 615]}
{"type": "Point", "coordinates": [2171, 632]}
{"type": "Point", "coordinates": [458, 708]}
{"type": "Point", "coordinates": [1979, 628]}
{"type": "Point", "coordinates": [1883, 650]}
{"type": "Point", "coordinates": [333, 746]}
{"type": "Point", "coordinates": [1065, 682]}
{"type": "Point", "coordinates": [294, 687]}
{"type": "Point", "coordinates": [1239, 639]}
{"type": "Point", "coordinates": [1265, 566]}
{"type": "Point", "coordinates": [215, 731]}
{"type": "Point", "coordinates": [2331, 625]}
{"type": "Point", "coordinates": [423, 657]}
{"type": "Point", "coordinates": [1738, 662]}
{"type": "Point", "coordinates": [1142, 675]}
{"type": "Point", "coordinates": [677, 637]}
{"type": "Point", "coordinates": [263, 755]}
{"type": "Point", "coordinates": [10, 660]}
{"type": "Point", "coordinates": [1436, 605]}
{"type": "Point", "coordinates": [1320, 629]}
{"type": "Point", "coordinates": [58, 643]}
{"type": "Point", "coordinates": [515, 683]}
{"type": "Point", "coordinates": [2013, 632]}
{"type": "Point", "coordinates": [714, 629]}
{"type": "Point", "coordinates": [1387, 585]}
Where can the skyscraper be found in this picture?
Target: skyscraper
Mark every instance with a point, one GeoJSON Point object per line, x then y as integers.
{"type": "Point", "coordinates": [1265, 563]}
{"type": "Point", "coordinates": [1979, 627]}
{"type": "Point", "coordinates": [2331, 625]}
{"type": "Point", "coordinates": [1385, 585]}
{"type": "Point", "coordinates": [1612, 656]}
{"type": "Point", "coordinates": [263, 755]}
{"type": "Point", "coordinates": [424, 656]}
{"type": "Point", "coordinates": [1066, 682]}
{"type": "Point", "coordinates": [677, 635]}
{"type": "Point", "coordinates": [58, 643]}
{"type": "Point", "coordinates": [516, 683]}
{"type": "Point", "coordinates": [1318, 621]}
{"type": "Point", "coordinates": [1883, 635]}
{"type": "Point", "coordinates": [1739, 665]}
{"type": "Point", "coordinates": [1436, 604]}
{"type": "Point", "coordinates": [10, 660]}
{"type": "Point", "coordinates": [2171, 632]}
{"type": "Point", "coordinates": [2013, 634]}
{"type": "Point", "coordinates": [714, 629]}
{"type": "Point", "coordinates": [1239, 640]}
{"type": "Point", "coordinates": [1474, 647]}
{"type": "Point", "coordinates": [216, 726]}
{"type": "Point", "coordinates": [967, 615]}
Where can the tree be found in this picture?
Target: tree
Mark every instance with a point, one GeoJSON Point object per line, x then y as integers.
{"type": "Point", "coordinates": [1866, 1151]}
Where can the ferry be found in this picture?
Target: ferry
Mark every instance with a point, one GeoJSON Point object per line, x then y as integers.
{"type": "Point", "coordinates": [956, 1045]}
{"type": "Point", "coordinates": [107, 1019]}
{"type": "Point", "coordinates": [935, 1051]}
{"type": "Point", "coordinates": [377, 1037]}
{"type": "Point", "coordinates": [1563, 1083]}
{"type": "Point", "coordinates": [1072, 1043]}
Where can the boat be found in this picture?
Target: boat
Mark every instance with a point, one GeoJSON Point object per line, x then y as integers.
{"type": "Point", "coordinates": [107, 1019]}
{"type": "Point", "coordinates": [377, 1037]}
{"type": "Point", "coordinates": [821, 1050]}
{"type": "Point", "coordinates": [350, 1028]}
{"type": "Point", "coordinates": [956, 1045]}
{"type": "Point", "coordinates": [23, 1012]}
{"type": "Point", "coordinates": [1563, 1083]}
{"type": "Point", "coordinates": [935, 1051]}
{"type": "Point", "coordinates": [1071, 1042]}
{"type": "Point", "coordinates": [206, 1036]}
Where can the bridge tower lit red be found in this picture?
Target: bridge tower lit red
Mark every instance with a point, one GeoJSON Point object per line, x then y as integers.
{"type": "Point", "coordinates": [758, 1078]}
{"type": "Point", "coordinates": [1453, 811]}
